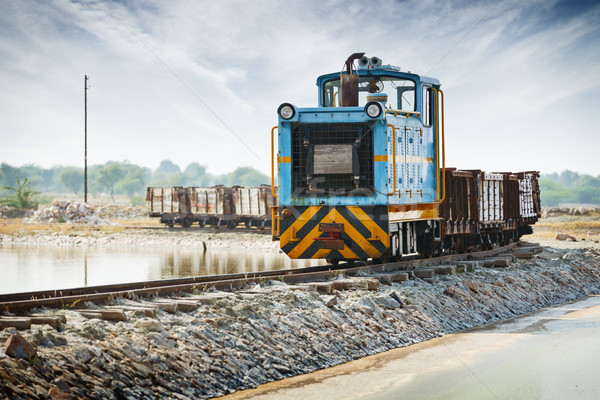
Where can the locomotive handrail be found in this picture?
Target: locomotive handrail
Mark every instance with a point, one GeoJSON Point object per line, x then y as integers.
{"type": "Point", "coordinates": [408, 113]}
{"type": "Point", "coordinates": [443, 150]}
{"type": "Point", "coordinates": [437, 150]}
{"type": "Point", "coordinates": [272, 162]}
{"type": "Point", "coordinates": [393, 158]}
{"type": "Point", "coordinates": [437, 147]}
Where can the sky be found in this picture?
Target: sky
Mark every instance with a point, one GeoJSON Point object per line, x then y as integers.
{"type": "Point", "coordinates": [200, 81]}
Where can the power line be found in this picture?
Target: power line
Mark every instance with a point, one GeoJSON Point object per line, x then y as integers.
{"type": "Point", "coordinates": [464, 36]}
{"type": "Point", "coordinates": [184, 83]}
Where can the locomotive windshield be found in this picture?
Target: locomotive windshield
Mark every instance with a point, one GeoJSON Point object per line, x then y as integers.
{"type": "Point", "coordinates": [400, 92]}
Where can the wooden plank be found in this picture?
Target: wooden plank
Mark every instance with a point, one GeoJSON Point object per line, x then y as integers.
{"type": "Point", "coordinates": [21, 323]}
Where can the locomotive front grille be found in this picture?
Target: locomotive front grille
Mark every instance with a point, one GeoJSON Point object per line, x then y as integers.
{"type": "Point", "coordinates": [332, 159]}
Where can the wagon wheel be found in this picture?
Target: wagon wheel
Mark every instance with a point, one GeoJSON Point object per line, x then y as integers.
{"type": "Point", "coordinates": [248, 224]}
{"type": "Point", "coordinates": [201, 223]}
{"type": "Point", "coordinates": [332, 261]}
{"type": "Point", "coordinates": [186, 223]}
{"type": "Point", "coordinates": [232, 224]}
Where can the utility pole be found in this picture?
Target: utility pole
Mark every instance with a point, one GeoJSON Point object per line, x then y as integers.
{"type": "Point", "coordinates": [85, 88]}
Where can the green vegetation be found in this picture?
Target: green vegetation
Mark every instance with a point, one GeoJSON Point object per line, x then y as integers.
{"type": "Point", "coordinates": [569, 187]}
{"type": "Point", "coordinates": [23, 195]}
{"type": "Point", "coordinates": [20, 185]}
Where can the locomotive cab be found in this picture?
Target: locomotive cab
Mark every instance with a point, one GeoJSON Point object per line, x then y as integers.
{"type": "Point", "coordinates": [359, 175]}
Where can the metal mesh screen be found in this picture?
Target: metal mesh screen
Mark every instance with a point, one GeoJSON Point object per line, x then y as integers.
{"type": "Point", "coordinates": [332, 184]}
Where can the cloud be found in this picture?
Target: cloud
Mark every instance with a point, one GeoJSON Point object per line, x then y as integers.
{"type": "Point", "coordinates": [153, 64]}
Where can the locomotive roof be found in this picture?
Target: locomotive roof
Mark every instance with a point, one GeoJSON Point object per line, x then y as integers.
{"type": "Point", "coordinates": [384, 70]}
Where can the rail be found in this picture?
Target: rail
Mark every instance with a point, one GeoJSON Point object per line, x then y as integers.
{"type": "Point", "coordinates": [77, 297]}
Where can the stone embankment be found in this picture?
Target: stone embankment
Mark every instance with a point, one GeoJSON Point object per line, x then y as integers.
{"type": "Point", "coordinates": [213, 343]}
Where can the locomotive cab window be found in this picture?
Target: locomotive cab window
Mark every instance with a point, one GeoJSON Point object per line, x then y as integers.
{"type": "Point", "coordinates": [428, 106]}
{"type": "Point", "coordinates": [400, 92]}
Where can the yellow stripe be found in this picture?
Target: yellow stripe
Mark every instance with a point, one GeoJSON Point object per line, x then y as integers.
{"type": "Point", "coordinates": [362, 242]}
{"type": "Point", "coordinates": [297, 251]}
{"type": "Point", "coordinates": [380, 158]}
{"type": "Point", "coordinates": [284, 160]}
{"type": "Point", "coordinates": [371, 225]}
{"type": "Point", "coordinates": [416, 159]}
{"type": "Point", "coordinates": [306, 216]}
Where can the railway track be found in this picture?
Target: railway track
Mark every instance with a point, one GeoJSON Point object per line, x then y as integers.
{"type": "Point", "coordinates": [78, 297]}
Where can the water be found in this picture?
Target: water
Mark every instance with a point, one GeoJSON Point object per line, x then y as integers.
{"type": "Point", "coordinates": [43, 267]}
{"type": "Point", "coordinates": [551, 354]}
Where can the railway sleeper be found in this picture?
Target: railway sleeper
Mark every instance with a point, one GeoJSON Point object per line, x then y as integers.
{"type": "Point", "coordinates": [24, 322]}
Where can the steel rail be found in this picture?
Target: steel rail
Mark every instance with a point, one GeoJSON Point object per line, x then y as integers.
{"type": "Point", "coordinates": [77, 297]}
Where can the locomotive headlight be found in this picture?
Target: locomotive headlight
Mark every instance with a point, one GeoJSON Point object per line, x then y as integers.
{"type": "Point", "coordinates": [286, 111]}
{"type": "Point", "coordinates": [373, 109]}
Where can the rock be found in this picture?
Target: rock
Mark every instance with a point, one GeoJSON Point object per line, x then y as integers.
{"type": "Point", "coordinates": [18, 347]}
{"type": "Point", "coordinates": [69, 212]}
{"type": "Point", "coordinates": [565, 237]}
{"type": "Point", "coordinates": [472, 286]}
{"type": "Point", "coordinates": [149, 325]}
{"type": "Point", "coordinates": [387, 301]}
{"type": "Point", "coordinates": [57, 394]}
{"type": "Point", "coordinates": [329, 301]}
{"type": "Point", "coordinates": [367, 304]}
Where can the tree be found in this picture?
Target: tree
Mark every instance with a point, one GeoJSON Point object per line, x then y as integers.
{"type": "Point", "coordinates": [23, 197]}
{"type": "Point", "coordinates": [72, 179]}
{"type": "Point", "coordinates": [196, 175]}
{"type": "Point", "coordinates": [246, 176]}
{"type": "Point", "coordinates": [168, 167]}
{"type": "Point", "coordinates": [567, 177]}
{"type": "Point", "coordinates": [554, 193]}
{"type": "Point", "coordinates": [134, 181]}
{"type": "Point", "coordinates": [108, 176]}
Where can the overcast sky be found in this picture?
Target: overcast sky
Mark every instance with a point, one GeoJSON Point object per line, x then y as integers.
{"type": "Point", "coordinates": [200, 81]}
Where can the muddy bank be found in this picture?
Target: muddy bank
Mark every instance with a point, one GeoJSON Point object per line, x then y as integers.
{"type": "Point", "coordinates": [239, 340]}
{"type": "Point", "coordinates": [161, 237]}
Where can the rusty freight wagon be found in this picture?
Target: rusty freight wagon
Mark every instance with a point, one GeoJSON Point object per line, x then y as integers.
{"type": "Point", "coordinates": [212, 206]}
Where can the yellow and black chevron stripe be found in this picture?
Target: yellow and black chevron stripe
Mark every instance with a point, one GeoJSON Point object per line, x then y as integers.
{"type": "Point", "coordinates": [365, 232]}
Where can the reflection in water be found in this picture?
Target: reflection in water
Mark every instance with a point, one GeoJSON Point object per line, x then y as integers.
{"type": "Point", "coordinates": [43, 267]}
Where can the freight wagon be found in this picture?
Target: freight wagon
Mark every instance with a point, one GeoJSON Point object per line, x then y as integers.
{"type": "Point", "coordinates": [212, 206]}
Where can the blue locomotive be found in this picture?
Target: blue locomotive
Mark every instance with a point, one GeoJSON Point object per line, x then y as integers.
{"type": "Point", "coordinates": [363, 174]}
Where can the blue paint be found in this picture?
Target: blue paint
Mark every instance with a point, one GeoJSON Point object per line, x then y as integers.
{"type": "Point", "coordinates": [416, 163]}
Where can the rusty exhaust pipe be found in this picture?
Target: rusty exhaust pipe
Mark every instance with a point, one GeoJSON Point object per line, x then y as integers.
{"type": "Point", "coordinates": [349, 83]}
